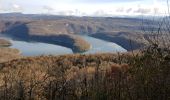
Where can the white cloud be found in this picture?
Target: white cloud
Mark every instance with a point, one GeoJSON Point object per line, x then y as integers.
{"type": "Point", "coordinates": [143, 10]}
{"type": "Point", "coordinates": [129, 10]}
{"type": "Point", "coordinates": [48, 9]}
{"type": "Point", "coordinates": [121, 9]}
{"type": "Point", "coordinates": [16, 8]}
{"type": "Point", "coordinates": [88, 7]}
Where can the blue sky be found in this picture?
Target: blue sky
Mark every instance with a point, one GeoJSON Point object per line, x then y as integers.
{"type": "Point", "coordinates": [86, 7]}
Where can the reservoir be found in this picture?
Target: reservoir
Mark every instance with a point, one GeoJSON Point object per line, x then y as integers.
{"type": "Point", "coordinates": [102, 46]}
{"type": "Point", "coordinates": [39, 48]}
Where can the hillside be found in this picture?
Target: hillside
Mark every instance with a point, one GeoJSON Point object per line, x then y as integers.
{"type": "Point", "coordinates": [143, 74]}
{"type": "Point", "coordinates": [7, 54]}
{"type": "Point", "coordinates": [37, 32]}
{"type": "Point", "coordinates": [49, 28]}
{"type": "Point", "coordinates": [4, 43]}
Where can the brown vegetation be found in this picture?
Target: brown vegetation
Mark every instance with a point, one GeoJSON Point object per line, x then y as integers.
{"type": "Point", "coordinates": [80, 45]}
{"type": "Point", "coordinates": [37, 31]}
{"type": "Point", "coordinates": [130, 76]}
{"type": "Point", "coordinates": [7, 54]}
{"type": "Point", "coordinates": [92, 77]}
{"type": "Point", "coordinates": [57, 25]}
{"type": "Point", "coordinates": [4, 43]}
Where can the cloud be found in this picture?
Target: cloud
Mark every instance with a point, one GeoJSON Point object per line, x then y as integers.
{"type": "Point", "coordinates": [143, 11]}
{"type": "Point", "coordinates": [48, 8]}
{"type": "Point", "coordinates": [125, 10]}
{"type": "Point", "coordinates": [102, 1]}
{"type": "Point", "coordinates": [129, 10]}
{"type": "Point", "coordinates": [16, 7]}
{"type": "Point", "coordinates": [121, 9]}
{"type": "Point", "coordinates": [156, 10]}
{"type": "Point", "coordinates": [127, 7]}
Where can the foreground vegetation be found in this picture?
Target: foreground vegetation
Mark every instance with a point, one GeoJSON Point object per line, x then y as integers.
{"type": "Point", "coordinates": [131, 76]}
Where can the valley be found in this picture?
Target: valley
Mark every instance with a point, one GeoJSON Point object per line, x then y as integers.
{"type": "Point", "coordinates": [46, 57]}
{"type": "Point", "coordinates": [65, 31]}
{"type": "Point", "coordinates": [35, 35]}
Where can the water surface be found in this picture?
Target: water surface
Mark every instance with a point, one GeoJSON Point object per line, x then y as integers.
{"type": "Point", "coordinates": [36, 48]}
{"type": "Point", "coordinates": [102, 46]}
{"type": "Point", "coordinates": [39, 48]}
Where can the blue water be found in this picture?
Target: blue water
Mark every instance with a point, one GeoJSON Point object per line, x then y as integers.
{"type": "Point", "coordinates": [37, 48]}
{"type": "Point", "coordinates": [101, 46]}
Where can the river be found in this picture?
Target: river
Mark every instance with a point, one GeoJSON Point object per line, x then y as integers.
{"type": "Point", "coordinates": [37, 48]}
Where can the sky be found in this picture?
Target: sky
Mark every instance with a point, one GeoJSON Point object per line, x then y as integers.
{"type": "Point", "coordinates": [86, 7]}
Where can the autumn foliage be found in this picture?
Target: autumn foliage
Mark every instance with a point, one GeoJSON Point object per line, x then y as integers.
{"type": "Point", "coordinates": [88, 77]}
